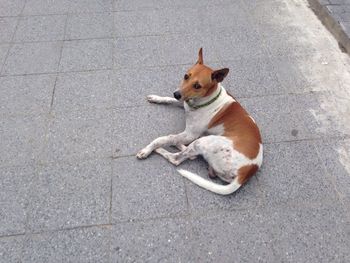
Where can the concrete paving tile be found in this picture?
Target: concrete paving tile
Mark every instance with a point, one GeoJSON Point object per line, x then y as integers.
{"type": "Point", "coordinates": [80, 55]}
{"type": "Point", "coordinates": [341, 16]}
{"type": "Point", "coordinates": [40, 28]}
{"type": "Point", "coordinates": [22, 139]}
{"type": "Point", "coordinates": [289, 75]}
{"type": "Point", "coordinates": [236, 43]}
{"type": "Point", "coordinates": [338, 2]}
{"type": "Point", "coordinates": [137, 127]}
{"type": "Point", "coordinates": [33, 58]}
{"type": "Point", "coordinates": [346, 27]}
{"type": "Point", "coordinates": [11, 249]}
{"type": "Point", "coordinates": [271, 29]}
{"type": "Point", "coordinates": [311, 235]}
{"type": "Point", "coordinates": [11, 8]}
{"type": "Point", "coordinates": [151, 189]}
{"type": "Point", "coordinates": [321, 71]}
{"type": "Point", "coordinates": [177, 20]}
{"type": "Point", "coordinates": [96, 25]}
{"type": "Point", "coordinates": [162, 50]}
{"type": "Point", "coordinates": [165, 240]}
{"type": "Point", "coordinates": [278, 28]}
{"type": "Point", "coordinates": [71, 194]}
{"type": "Point", "coordinates": [318, 113]}
{"type": "Point", "coordinates": [339, 8]}
{"type": "Point", "coordinates": [275, 118]}
{"type": "Point", "coordinates": [121, 5]}
{"type": "Point", "coordinates": [280, 35]}
{"type": "Point", "coordinates": [325, 2]}
{"type": "Point", "coordinates": [268, 12]}
{"type": "Point", "coordinates": [7, 28]}
{"type": "Point", "coordinates": [250, 77]}
{"type": "Point", "coordinates": [45, 7]}
{"type": "Point", "coordinates": [288, 44]}
{"type": "Point", "coordinates": [83, 91]}
{"type": "Point", "coordinates": [76, 245]}
{"type": "Point", "coordinates": [84, 6]}
{"type": "Point", "coordinates": [3, 52]}
{"type": "Point", "coordinates": [240, 236]}
{"type": "Point", "coordinates": [165, 21]}
{"type": "Point", "coordinates": [292, 173]}
{"type": "Point", "coordinates": [225, 15]}
{"type": "Point", "coordinates": [75, 137]}
{"type": "Point", "coordinates": [26, 94]}
{"type": "Point", "coordinates": [335, 154]}
{"type": "Point", "coordinates": [201, 200]}
{"type": "Point", "coordinates": [14, 192]}
{"type": "Point", "coordinates": [134, 84]}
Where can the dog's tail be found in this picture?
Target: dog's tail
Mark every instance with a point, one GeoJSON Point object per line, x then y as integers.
{"type": "Point", "coordinates": [216, 188]}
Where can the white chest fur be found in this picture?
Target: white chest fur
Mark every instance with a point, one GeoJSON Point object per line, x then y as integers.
{"type": "Point", "coordinates": [197, 120]}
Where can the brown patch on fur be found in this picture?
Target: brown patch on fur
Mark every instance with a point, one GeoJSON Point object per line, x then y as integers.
{"type": "Point", "coordinates": [218, 116]}
{"type": "Point", "coordinates": [198, 74]}
{"type": "Point", "coordinates": [211, 90]}
{"type": "Point", "coordinates": [240, 128]}
{"type": "Point", "coordinates": [202, 75]}
{"type": "Point", "coordinates": [211, 172]}
{"type": "Point", "coordinates": [200, 56]}
{"type": "Point", "coordinates": [231, 95]}
{"type": "Point", "coordinates": [245, 172]}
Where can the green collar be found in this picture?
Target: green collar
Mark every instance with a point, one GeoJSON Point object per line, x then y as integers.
{"type": "Point", "coordinates": [205, 104]}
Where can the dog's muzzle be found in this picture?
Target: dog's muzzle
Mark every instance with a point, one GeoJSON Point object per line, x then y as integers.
{"type": "Point", "coordinates": [177, 95]}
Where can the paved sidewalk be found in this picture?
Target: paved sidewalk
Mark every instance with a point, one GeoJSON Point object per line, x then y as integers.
{"type": "Point", "coordinates": [335, 15]}
{"type": "Point", "coordinates": [73, 114]}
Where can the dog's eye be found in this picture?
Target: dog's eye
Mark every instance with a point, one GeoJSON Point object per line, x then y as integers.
{"type": "Point", "coordinates": [197, 85]}
{"type": "Point", "coordinates": [186, 77]}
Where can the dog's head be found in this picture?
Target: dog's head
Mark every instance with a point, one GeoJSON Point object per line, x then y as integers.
{"type": "Point", "coordinates": [199, 81]}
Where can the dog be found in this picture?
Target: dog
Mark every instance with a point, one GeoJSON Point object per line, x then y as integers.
{"type": "Point", "coordinates": [217, 128]}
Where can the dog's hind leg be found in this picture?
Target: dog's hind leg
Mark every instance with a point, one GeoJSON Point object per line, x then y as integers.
{"type": "Point", "coordinates": [182, 148]}
{"type": "Point", "coordinates": [173, 139]}
{"type": "Point", "coordinates": [167, 155]}
{"type": "Point", "coordinates": [164, 100]}
{"type": "Point", "coordinates": [178, 158]}
{"type": "Point", "coordinates": [211, 172]}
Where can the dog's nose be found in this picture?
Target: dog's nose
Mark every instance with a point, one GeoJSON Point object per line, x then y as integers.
{"type": "Point", "coordinates": [177, 95]}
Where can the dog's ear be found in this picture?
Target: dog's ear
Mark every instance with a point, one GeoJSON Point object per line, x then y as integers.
{"type": "Point", "coordinates": [200, 56]}
{"type": "Point", "coordinates": [219, 74]}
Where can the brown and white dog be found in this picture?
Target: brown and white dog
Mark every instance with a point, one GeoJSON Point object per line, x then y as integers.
{"type": "Point", "coordinates": [217, 127]}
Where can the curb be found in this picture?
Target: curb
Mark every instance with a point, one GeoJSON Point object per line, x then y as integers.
{"type": "Point", "coordinates": [331, 24]}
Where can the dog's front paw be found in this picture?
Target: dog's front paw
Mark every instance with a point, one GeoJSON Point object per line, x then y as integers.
{"type": "Point", "coordinates": [153, 98]}
{"type": "Point", "coordinates": [143, 154]}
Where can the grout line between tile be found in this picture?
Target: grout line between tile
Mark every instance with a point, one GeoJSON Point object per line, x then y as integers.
{"type": "Point", "coordinates": [210, 212]}
{"type": "Point", "coordinates": [332, 180]}
{"type": "Point", "coordinates": [26, 215]}
{"type": "Point", "coordinates": [10, 45]}
{"type": "Point", "coordinates": [58, 66]}
{"type": "Point", "coordinates": [111, 192]}
{"type": "Point", "coordinates": [113, 10]}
